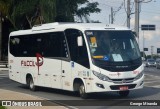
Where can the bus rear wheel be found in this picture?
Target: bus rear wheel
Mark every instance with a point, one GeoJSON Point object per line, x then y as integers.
{"type": "Point", "coordinates": [31, 84]}
{"type": "Point", "coordinates": [82, 91]}
{"type": "Point", "coordinates": [124, 93]}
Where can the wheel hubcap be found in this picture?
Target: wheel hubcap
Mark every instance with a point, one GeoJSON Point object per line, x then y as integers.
{"type": "Point", "coordinates": [31, 84]}
{"type": "Point", "coordinates": [81, 90]}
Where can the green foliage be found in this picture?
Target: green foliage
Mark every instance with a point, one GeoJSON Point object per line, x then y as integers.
{"type": "Point", "coordinates": [23, 14]}
{"type": "Point", "coordinates": [2, 107]}
{"type": "Point", "coordinates": [5, 6]}
{"type": "Point", "coordinates": [90, 8]}
{"type": "Point", "coordinates": [70, 8]}
{"type": "Point", "coordinates": [48, 10]}
{"type": "Point", "coordinates": [26, 13]}
{"type": "Point", "coordinates": [33, 12]}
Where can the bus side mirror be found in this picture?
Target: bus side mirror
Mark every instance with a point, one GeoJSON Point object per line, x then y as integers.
{"type": "Point", "coordinates": [80, 41]}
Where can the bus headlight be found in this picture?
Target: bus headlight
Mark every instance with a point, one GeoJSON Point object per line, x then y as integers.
{"type": "Point", "coordinates": [101, 76]}
{"type": "Point", "coordinates": [139, 76]}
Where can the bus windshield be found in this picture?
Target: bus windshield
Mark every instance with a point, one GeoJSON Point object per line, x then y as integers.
{"type": "Point", "coordinates": [113, 47]}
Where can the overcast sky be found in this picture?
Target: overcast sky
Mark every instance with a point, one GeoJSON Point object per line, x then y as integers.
{"type": "Point", "coordinates": [150, 14]}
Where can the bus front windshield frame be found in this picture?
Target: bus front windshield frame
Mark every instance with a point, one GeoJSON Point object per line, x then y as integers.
{"type": "Point", "coordinates": [114, 47]}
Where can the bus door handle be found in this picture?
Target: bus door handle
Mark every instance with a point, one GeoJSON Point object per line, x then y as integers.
{"type": "Point", "coordinates": [54, 75]}
{"type": "Point", "coordinates": [63, 71]}
{"type": "Point", "coordinates": [63, 76]}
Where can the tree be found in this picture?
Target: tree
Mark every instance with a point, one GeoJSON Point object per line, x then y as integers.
{"type": "Point", "coordinates": [32, 12]}
{"type": "Point", "coordinates": [70, 8]}
{"type": "Point", "coordinates": [6, 6]}
{"type": "Point", "coordinates": [23, 14]}
{"type": "Point", "coordinates": [0, 36]}
{"type": "Point", "coordinates": [85, 11]}
{"type": "Point", "coordinates": [4, 9]}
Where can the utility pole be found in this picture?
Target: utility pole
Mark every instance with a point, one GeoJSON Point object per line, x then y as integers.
{"type": "Point", "coordinates": [128, 13]}
{"type": "Point", "coordinates": [109, 19]}
{"type": "Point", "coordinates": [152, 51]}
{"type": "Point", "coordinates": [143, 46]}
{"type": "Point", "coordinates": [111, 15]}
{"type": "Point", "coordinates": [137, 18]}
{"type": "Point", "coordinates": [0, 36]}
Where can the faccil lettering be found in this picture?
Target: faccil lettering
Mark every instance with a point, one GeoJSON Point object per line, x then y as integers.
{"type": "Point", "coordinates": [28, 63]}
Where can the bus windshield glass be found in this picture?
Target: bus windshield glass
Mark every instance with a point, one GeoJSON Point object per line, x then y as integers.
{"type": "Point", "coordinates": [113, 47]}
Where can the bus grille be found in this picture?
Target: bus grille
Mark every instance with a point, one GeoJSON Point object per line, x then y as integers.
{"type": "Point", "coordinates": [120, 81]}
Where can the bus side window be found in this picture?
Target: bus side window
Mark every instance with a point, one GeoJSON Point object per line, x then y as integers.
{"type": "Point", "coordinates": [52, 45]}
{"type": "Point", "coordinates": [47, 44]}
{"type": "Point", "coordinates": [14, 45]}
{"type": "Point", "coordinates": [78, 54]}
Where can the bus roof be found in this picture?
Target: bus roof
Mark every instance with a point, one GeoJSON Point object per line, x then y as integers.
{"type": "Point", "coordinates": [57, 26]}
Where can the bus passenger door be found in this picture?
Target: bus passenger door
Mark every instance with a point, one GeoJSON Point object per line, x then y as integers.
{"type": "Point", "coordinates": [78, 55]}
{"type": "Point", "coordinates": [66, 75]}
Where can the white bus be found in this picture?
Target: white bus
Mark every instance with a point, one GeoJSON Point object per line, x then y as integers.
{"type": "Point", "coordinates": [81, 57]}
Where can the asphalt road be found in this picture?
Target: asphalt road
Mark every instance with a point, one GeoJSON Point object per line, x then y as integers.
{"type": "Point", "coordinates": [151, 91]}
{"type": "Point", "coordinates": [152, 71]}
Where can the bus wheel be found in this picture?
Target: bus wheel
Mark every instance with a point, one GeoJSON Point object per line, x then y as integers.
{"type": "Point", "coordinates": [82, 92]}
{"type": "Point", "coordinates": [124, 93]}
{"type": "Point", "coordinates": [31, 84]}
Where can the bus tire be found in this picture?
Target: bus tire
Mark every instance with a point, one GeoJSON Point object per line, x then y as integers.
{"type": "Point", "coordinates": [124, 93]}
{"type": "Point", "coordinates": [82, 91]}
{"type": "Point", "coordinates": [31, 84]}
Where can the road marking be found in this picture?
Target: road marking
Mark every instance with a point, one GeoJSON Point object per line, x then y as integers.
{"type": "Point", "coordinates": [4, 76]}
{"type": "Point", "coordinates": [157, 86]}
{"type": "Point", "coordinates": [151, 81]}
{"type": "Point", "coordinates": [3, 69]}
{"type": "Point", "coordinates": [152, 76]}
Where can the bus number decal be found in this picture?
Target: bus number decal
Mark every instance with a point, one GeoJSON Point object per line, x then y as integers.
{"type": "Point", "coordinates": [89, 33]}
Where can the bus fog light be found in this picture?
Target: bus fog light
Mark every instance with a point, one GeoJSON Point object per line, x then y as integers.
{"type": "Point", "coordinates": [100, 85]}
{"type": "Point", "coordinates": [141, 83]}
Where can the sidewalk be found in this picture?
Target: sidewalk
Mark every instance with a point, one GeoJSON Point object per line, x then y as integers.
{"type": "Point", "coordinates": [11, 95]}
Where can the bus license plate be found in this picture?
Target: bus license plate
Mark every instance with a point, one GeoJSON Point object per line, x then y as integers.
{"type": "Point", "coordinates": [123, 88]}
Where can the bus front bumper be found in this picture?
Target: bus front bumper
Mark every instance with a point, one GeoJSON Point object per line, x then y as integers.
{"type": "Point", "coordinates": [105, 86]}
